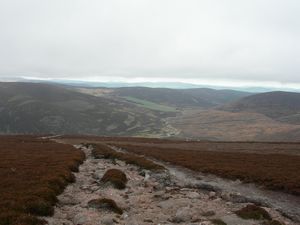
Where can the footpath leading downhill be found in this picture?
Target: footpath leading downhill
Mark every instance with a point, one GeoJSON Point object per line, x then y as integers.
{"type": "Point", "coordinates": [150, 197]}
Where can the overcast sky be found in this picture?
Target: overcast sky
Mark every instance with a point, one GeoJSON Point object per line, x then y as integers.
{"type": "Point", "coordinates": [242, 41]}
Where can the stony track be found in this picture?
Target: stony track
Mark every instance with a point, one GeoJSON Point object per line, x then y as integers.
{"type": "Point", "coordinates": [149, 198]}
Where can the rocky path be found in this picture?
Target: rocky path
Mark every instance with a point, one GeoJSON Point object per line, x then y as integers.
{"type": "Point", "coordinates": [149, 198]}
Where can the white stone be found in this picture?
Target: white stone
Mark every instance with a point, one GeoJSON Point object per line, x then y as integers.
{"type": "Point", "coordinates": [193, 195]}
{"type": "Point", "coordinates": [182, 215]}
{"type": "Point", "coordinates": [107, 220]}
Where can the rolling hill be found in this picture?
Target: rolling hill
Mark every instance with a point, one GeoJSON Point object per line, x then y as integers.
{"type": "Point", "coordinates": [271, 116]}
{"type": "Point", "coordinates": [220, 125]}
{"type": "Point", "coordinates": [281, 106]}
{"type": "Point", "coordinates": [178, 98]}
{"type": "Point", "coordinates": [207, 114]}
{"type": "Point", "coordinates": [34, 108]}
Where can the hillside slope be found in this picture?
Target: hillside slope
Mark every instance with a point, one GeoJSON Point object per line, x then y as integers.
{"type": "Point", "coordinates": [180, 98]}
{"type": "Point", "coordinates": [43, 108]}
{"type": "Point", "coordinates": [232, 126]}
{"type": "Point", "coordinates": [281, 106]}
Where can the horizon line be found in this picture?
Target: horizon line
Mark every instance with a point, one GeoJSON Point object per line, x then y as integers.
{"type": "Point", "coordinates": [222, 83]}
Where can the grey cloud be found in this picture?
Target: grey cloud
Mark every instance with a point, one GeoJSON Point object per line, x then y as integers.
{"type": "Point", "coordinates": [242, 40]}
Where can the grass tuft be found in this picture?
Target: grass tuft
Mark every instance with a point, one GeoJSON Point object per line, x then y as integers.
{"type": "Point", "coordinates": [253, 212]}
{"type": "Point", "coordinates": [116, 177]}
{"type": "Point", "coordinates": [106, 204]}
{"type": "Point", "coordinates": [18, 218]}
{"type": "Point", "coordinates": [218, 222]}
{"type": "Point", "coordinates": [39, 207]}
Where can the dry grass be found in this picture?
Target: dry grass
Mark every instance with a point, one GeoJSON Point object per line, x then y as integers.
{"type": "Point", "coordinates": [32, 173]}
{"type": "Point", "coordinates": [103, 151]}
{"type": "Point", "coordinates": [116, 177]}
{"type": "Point", "coordinates": [274, 171]}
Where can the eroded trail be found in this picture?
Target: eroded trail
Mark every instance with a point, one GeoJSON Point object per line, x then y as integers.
{"type": "Point", "coordinates": [237, 191]}
{"type": "Point", "coordinates": [149, 198]}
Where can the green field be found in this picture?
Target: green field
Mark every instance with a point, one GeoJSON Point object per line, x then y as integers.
{"type": "Point", "coordinates": [150, 105]}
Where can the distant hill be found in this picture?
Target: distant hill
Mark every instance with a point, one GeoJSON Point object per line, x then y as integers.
{"type": "Point", "coordinates": [197, 97]}
{"type": "Point", "coordinates": [156, 84]}
{"type": "Point", "coordinates": [281, 106]}
{"type": "Point", "coordinates": [201, 113]}
{"type": "Point", "coordinates": [228, 126]}
{"type": "Point", "coordinates": [43, 108]}
{"type": "Point", "coordinates": [284, 136]}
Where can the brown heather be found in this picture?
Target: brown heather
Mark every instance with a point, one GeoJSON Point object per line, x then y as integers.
{"type": "Point", "coordinates": [116, 177]}
{"type": "Point", "coordinates": [274, 171]}
{"type": "Point", "coordinates": [218, 222]}
{"type": "Point", "coordinates": [253, 212]}
{"type": "Point", "coordinates": [106, 204]}
{"type": "Point", "coordinates": [32, 173]}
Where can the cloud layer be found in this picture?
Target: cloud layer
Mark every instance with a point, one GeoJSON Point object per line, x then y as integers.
{"type": "Point", "coordinates": [208, 39]}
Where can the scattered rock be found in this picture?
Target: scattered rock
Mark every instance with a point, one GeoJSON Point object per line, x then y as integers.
{"type": "Point", "coordinates": [107, 220]}
{"type": "Point", "coordinates": [106, 204]}
{"type": "Point", "coordinates": [148, 220]}
{"type": "Point", "coordinates": [158, 194]}
{"type": "Point", "coordinates": [212, 194]}
{"type": "Point", "coordinates": [182, 215]}
{"type": "Point", "coordinates": [218, 222]}
{"type": "Point", "coordinates": [142, 172]}
{"type": "Point", "coordinates": [120, 163]}
{"type": "Point", "coordinates": [207, 187]}
{"type": "Point", "coordinates": [80, 219]}
{"type": "Point", "coordinates": [208, 213]}
{"type": "Point", "coordinates": [97, 175]}
{"type": "Point", "coordinates": [205, 223]}
{"type": "Point", "coordinates": [146, 200]}
{"type": "Point", "coordinates": [193, 195]}
{"type": "Point", "coordinates": [67, 200]}
{"type": "Point", "coordinates": [232, 219]}
{"type": "Point", "coordinates": [124, 216]}
{"type": "Point", "coordinates": [163, 178]}
{"type": "Point", "coordinates": [85, 187]}
{"type": "Point", "coordinates": [166, 205]}
{"type": "Point", "coordinates": [238, 198]}
{"type": "Point", "coordinates": [94, 188]}
{"type": "Point", "coordinates": [147, 177]}
{"type": "Point", "coordinates": [157, 186]}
